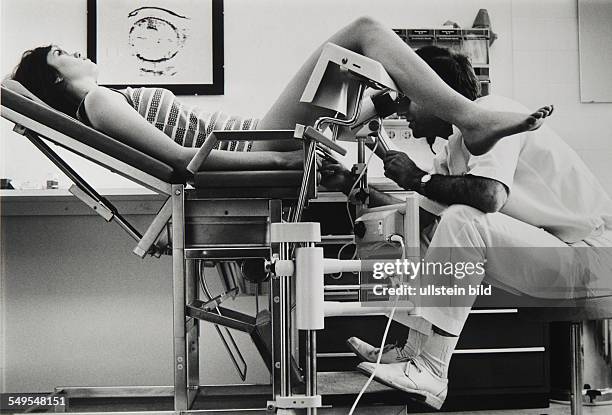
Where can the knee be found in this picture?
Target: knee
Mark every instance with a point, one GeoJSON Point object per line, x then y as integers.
{"type": "Point", "coordinates": [364, 21]}
{"type": "Point", "coordinates": [460, 214]}
{"type": "Point", "coordinates": [365, 25]}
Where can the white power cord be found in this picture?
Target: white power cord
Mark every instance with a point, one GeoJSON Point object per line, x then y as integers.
{"type": "Point", "coordinates": [400, 240]}
{"type": "Point", "coordinates": [338, 275]}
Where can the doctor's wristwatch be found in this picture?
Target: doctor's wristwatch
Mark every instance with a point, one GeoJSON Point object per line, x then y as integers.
{"type": "Point", "coordinates": [423, 182]}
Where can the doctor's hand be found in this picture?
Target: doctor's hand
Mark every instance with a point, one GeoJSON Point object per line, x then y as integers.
{"type": "Point", "coordinates": [402, 170]}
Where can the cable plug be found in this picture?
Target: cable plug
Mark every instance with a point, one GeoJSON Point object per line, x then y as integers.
{"type": "Point", "coordinates": [396, 238]}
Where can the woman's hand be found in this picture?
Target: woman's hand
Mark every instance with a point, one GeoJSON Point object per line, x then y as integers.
{"type": "Point", "coordinates": [336, 177]}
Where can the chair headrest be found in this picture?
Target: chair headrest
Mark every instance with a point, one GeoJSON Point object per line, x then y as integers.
{"type": "Point", "coordinates": [18, 88]}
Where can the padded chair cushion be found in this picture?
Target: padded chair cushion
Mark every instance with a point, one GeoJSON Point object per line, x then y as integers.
{"type": "Point", "coordinates": [282, 183]}
{"type": "Point", "coordinates": [19, 99]}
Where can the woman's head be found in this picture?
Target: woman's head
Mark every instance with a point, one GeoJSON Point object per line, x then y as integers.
{"type": "Point", "coordinates": [51, 74]}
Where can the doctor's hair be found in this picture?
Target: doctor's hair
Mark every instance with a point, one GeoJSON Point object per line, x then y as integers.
{"type": "Point", "coordinates": [40, 78]}
{"type": "Point", "coordinates": [454, 68]}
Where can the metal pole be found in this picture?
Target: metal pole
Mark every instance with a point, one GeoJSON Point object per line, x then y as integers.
{"type": "Point", "coordinates": [181, 402]}
{"type": "Point", "coordinates": [275, 207]}
{"type": "Point", "coordinates": [288, 341]}
{"type": "Point", "coordinates": [311, 367]}
{"type": "Point", "coordinates": [285, 318]}
{"type": "Point", "coordinates": [576, 367]}
{"type": "Point", "coordinates": [311, 159]}
{"type": "Point", "coordinates": [311, 363]}
{"type": "Point", "coordinates": [192, 335]}
{"type": "Point", "coordinates": [323, 121]}
{"type": "Point", "coordinates": [361, 161]}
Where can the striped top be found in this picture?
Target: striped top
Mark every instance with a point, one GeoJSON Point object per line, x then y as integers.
{"type": "Point", "coordinates": [186, 125]}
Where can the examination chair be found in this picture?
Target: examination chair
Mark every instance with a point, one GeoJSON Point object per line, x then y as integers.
{"type": "Point", "coordinates": [220, 217]}
{"type": "Point", "coordinates": [227, 219]}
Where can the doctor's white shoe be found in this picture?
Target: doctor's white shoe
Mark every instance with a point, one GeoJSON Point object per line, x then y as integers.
{"type": "Point", "coordinates": [392, 353]}
{"type": "Point", "coordinates": [411, 377]}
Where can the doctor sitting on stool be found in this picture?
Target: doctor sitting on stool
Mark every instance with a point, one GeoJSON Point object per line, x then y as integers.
{"type": "Point", "coordinates": [531, 198]}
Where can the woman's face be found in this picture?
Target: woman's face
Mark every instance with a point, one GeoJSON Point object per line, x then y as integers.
{"type": "Point", "coordinates": [71, 66]}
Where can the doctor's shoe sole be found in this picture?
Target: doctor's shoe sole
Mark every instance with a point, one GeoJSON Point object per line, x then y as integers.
{"type": "Point", "coordinates": [416, 394]}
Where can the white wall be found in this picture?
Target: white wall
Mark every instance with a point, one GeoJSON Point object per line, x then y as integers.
{"type": "Point", "coordinates": [546, 70]}
{"type": "Point", "coordinates": [535, 60]}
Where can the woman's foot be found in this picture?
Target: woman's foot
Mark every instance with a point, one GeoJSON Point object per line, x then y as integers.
{"type": "Point", "coordinates": [491, 126]}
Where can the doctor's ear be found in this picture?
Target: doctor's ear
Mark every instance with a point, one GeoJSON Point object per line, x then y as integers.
{"type": "Point", "coordinates": [58, 80]}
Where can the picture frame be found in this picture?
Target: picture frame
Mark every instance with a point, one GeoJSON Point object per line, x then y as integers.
{"type": "Point", "coordinates": [172, 44]}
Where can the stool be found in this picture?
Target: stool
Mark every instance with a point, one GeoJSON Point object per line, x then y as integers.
{"type": "Point", "coordinates": [583, 310]}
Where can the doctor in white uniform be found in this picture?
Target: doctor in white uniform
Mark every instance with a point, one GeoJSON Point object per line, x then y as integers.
{"type": "Point", "coordinates": [530, 209]}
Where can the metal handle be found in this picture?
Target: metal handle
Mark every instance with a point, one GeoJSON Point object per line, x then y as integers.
{"type": "Point", "coordinates": [202, 154]}
{"type": "Point", "coordinates": [314, 135]}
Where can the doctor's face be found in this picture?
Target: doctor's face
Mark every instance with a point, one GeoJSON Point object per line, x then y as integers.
{"type": "Point", "coordinates": [424, 124]}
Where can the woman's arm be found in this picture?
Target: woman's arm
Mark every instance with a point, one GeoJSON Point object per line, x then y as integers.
{"type": "Point", "coordinates": [111, 114]}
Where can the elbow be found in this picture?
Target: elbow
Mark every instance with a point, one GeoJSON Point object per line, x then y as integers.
{"type": "Point", "coordinates": [491, 206]}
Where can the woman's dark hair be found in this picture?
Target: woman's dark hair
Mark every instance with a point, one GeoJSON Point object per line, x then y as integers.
{"type": "Point", "coordinates": [454, 68]}
{"type": "Point", "coordinates": [40, 78]}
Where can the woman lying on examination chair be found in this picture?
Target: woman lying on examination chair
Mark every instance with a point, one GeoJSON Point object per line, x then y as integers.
{"type": "Point", "coordinates": [68, 82]}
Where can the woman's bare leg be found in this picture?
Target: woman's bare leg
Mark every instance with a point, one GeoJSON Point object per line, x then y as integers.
{"type": "Point", "coordinates": [481, 128]}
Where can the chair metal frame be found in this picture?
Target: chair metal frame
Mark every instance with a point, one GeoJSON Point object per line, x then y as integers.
{"type": "Point", "coordinates": [182, 204]}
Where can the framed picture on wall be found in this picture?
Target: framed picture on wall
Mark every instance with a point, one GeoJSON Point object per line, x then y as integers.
{"type": "Point", "coordinates": [173, 44]}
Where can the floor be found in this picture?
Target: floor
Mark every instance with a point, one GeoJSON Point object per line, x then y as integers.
{"type": "Point", "coordinates": [554, 409]}
{"type": "Point", "coordinates": [112, 406]}
{"type": "Point", "coordinates": [378, 400]}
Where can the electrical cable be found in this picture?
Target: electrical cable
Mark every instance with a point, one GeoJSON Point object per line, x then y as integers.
{"type": "Point", "coordinates": [393, 238]}
{"type": "Point", "coordinates": [338, 275]}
